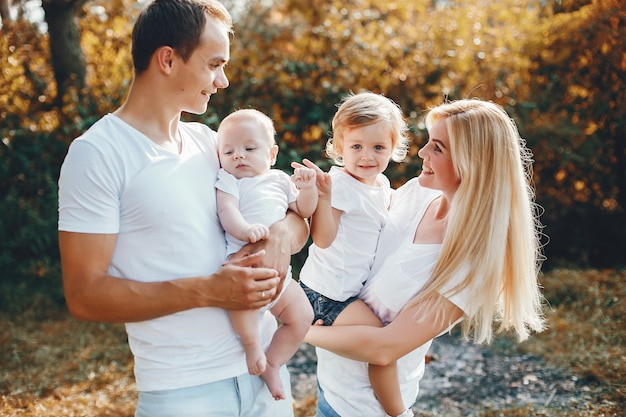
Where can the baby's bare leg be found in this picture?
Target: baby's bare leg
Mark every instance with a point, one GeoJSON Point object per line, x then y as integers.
{"type": "Point", "coordinates": [245, 323]}
{"type": "Point", "coordinates": [384, 379]}
{"type": "Point", "coordinates": [295, 314]}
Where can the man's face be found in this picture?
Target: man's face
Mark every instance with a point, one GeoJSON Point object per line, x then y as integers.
{"type": "Point", "coordinates": [203, 74]}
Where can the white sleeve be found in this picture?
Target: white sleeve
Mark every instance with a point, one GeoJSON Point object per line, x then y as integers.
{"type": "Point", "coordinates": [343, 198]}
{"type": "Point", "coordinates": [459, 298]}
{"type": "Point", "coordinates": [227, 183]}
{"type": "Point", "coordinates": [90, 187]}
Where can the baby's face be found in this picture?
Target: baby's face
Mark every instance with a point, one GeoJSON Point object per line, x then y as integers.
{"type": "Point", "coordinates": [245, 150]}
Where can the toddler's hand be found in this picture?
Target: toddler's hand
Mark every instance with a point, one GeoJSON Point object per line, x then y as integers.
{"type": "Point", "coordinates": [255, 232]}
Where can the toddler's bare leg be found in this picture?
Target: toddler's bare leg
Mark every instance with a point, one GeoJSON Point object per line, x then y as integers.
{"type": "Point", "coordinates": [245, 323]}
{"type": "Point", "coordinates": [384, 379]}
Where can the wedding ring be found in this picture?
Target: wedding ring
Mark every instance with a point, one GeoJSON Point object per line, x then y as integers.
{"type": "Point", "coordinates": [262, 295]}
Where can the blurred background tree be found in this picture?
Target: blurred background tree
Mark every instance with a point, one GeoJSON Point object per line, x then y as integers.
{"type": "Point", "coordinates": [557, 66]}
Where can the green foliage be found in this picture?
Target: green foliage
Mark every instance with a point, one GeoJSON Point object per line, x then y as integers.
{"type": "Point", "coordinates": [558, 67]}
{"type": "Point", "coordinates": [575, 121]}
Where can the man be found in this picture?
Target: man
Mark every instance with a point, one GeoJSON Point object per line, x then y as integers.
{"type": "Point", "coordinates": [139, 235]}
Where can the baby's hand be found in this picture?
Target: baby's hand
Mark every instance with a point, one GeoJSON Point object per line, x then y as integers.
{"type": "Point", "coordinates": [303, 178]}
{"type": "Point", "coordinates": [323, 180]}
{"type": "Point", "coordinates": [255, 232]}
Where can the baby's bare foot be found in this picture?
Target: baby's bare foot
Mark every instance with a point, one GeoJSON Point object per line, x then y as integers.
{"type": "Point", "coordinates": [271, 376]}
{"type": "Point", "coordinates": [255, 359]}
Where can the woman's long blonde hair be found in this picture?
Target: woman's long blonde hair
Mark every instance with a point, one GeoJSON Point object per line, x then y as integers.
{"type": "Point", "coordinates": [493, 226]}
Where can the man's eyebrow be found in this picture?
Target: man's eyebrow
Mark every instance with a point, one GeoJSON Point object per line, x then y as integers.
{"type": "Point", "coordinates": [218, 58]}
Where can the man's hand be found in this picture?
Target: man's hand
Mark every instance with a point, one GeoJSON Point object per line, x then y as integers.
{"type": "Point", "coordinates": [238, 286]}
{"type": "Point", "coordinates": [286, 237]}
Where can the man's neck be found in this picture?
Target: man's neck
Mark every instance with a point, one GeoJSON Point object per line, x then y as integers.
{"type": "Point", "coordinates": [150, 115]}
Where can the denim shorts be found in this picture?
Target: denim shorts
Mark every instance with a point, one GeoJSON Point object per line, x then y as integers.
{"type": "Point", "coordinates": [325, 308]}
{"type": "Point", "coordinates": [323, 408]}
{"type": "Point", "coordinates": [242, 396]}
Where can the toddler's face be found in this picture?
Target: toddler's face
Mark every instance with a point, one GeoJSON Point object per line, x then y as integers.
{"type": "Point", "coordinates": [366, 151]}
{"type": "Point", "coordinates": [245, 150]}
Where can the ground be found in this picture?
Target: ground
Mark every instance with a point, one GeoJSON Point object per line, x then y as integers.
{"type": "Point", "coordinates": [463, 379]}
{"type": "Point", "coordinates": [54, 365]}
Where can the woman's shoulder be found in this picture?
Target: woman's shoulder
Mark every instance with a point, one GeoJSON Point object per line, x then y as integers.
{"type": "Point", "coordinates": [413, 191]}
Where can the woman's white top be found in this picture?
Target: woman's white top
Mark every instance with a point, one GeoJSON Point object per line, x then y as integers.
{"type": "Point", "coordinates": [400, 270]}
{"type": "Point", "coordinates": [339, 271]}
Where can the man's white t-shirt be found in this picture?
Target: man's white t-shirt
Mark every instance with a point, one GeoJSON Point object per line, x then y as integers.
{"type": "Point", "coordinates": [400, 270]}
{"type": "Point", "coordinates": [339, 271]}
{"type": "Point", "coordinates": [162, 206]}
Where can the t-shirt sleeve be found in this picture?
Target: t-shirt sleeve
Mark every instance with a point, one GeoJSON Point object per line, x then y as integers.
{"type": "Point", "coordinates": [291, 189]}
{"type": "Point", "coordinates": [227, 183]}
{"type": "Point", "coordinates": [459, 298]}
{"type": "Point", "coordinates": [342, 199]}
{"type": "Point", "coordinates": [89, 191]}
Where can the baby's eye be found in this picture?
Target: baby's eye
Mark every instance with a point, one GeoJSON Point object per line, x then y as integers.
{"type": "Point", "coordinates": [250, 149]}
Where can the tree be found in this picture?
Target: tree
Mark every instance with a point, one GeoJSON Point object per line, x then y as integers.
{"type": "Point", "coordinates": [5, 13]}
{"type": "Point", "coordinates": [68, 60]}
{"type": "Point", "coordinates": [577, 121]}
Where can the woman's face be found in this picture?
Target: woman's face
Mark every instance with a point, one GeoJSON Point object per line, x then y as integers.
{"type": "Point", "coordinates": [437, 169]}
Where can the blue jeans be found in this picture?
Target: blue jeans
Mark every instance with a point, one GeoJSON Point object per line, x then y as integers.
{"type": "Point", "coordinates": [323, 408]}
{"type": "Point", "coordinates": [242, 396]}
{"type": "Point", "coordinates": [325, 308]}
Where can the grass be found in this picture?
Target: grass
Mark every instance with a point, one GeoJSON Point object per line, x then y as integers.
{"type": "Point", "coordinates": [51, 364]}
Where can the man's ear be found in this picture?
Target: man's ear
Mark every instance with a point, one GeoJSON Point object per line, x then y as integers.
{"type": "Point", "coordinates": [164, 58]}
{"type": "Point", "coordinates": [273, 153]}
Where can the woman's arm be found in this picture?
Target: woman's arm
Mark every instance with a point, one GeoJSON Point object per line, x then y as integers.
{"type": "Point", "coordinates": [383, 345]}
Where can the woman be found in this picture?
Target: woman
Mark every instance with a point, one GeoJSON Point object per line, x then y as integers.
{"type": "Point", "coordinates": [461, 244]}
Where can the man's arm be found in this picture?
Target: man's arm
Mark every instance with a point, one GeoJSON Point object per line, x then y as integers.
{"type": "Point", "coordinates": [92, 294]}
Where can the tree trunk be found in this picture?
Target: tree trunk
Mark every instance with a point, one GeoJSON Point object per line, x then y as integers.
{"type": "Point", "coordinates": [68, 61]}
{"type": "Point", "coordinates": [5, 12]}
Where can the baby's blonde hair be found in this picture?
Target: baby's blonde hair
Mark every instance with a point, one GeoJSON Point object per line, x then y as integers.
{"type": "Point", "coordinates": [363, 109]}
{"type": "Point", "coordinates": [265, 123]}
{"type": "Point", "coordinates": [493, 225]}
